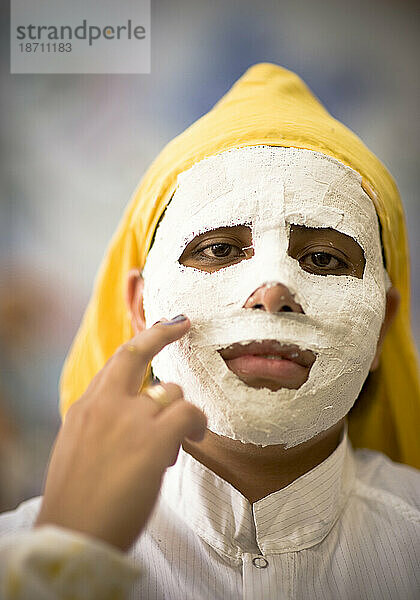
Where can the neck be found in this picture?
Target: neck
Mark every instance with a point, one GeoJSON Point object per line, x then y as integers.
{"type": "Point", "coordinates": [256, 471]}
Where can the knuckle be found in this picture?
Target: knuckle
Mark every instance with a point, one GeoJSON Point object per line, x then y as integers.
{"type": "Point", "coordinates": [188, 411]}
{"type": "Point", "coordinates": [73, 411]}
{"type": "Point", "coordinates": [87, 413]}
{"type": "Point", "coordinates": [138, 348]}
{"type": "Point", "coordinates": [79, 414]}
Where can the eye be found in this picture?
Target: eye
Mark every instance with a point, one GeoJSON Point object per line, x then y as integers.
{"type": "Point", "coordinates": [322, 261]}
{"type": "Point", "coordinates": [325, 251]}
{"type": "Point", "coordinates": [218, 250]}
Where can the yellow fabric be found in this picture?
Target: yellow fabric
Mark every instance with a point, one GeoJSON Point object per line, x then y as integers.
{"type": "Point", "coordinates": [267, 105]}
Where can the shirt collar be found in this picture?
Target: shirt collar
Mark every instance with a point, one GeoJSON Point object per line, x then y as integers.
{"type": "Point", "coordinates": [291, 519]}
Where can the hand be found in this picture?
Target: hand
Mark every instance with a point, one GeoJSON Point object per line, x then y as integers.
{"type": "Point", "coordinates": [111, 452]}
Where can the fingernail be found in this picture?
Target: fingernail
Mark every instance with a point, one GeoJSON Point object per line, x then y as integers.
{"type": "Point", "coordinates": [176, 320]}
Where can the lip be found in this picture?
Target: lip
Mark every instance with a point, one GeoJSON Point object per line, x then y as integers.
{"type": "Point", "coordinates": [290, 369]}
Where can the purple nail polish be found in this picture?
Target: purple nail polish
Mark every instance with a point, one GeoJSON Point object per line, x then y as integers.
{"type": "Point", "coordinates": [176, 320]}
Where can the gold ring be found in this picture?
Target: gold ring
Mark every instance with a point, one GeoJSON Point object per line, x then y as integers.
{"type": "Point", "coordinates": [158, 393]}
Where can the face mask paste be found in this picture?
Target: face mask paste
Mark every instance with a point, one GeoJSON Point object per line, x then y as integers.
{"type": "Point", "coordinates": [267, 189]}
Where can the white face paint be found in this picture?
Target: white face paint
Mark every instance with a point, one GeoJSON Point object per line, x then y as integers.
{"type": "Point", "coordinates": [267, 188]}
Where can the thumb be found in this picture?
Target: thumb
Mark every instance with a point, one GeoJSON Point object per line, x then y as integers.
{"type": "Point", "coordinates": [178, 421]}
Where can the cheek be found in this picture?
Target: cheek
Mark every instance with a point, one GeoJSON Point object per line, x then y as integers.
{"type": "Point", "coordinates": [329, 295]}
{"type": "Point", "coordinates": [198, 293]}
{"type": "Point", "coordinates": [171, 288]}
{"type": "Point", "coordinates": [346, 306]}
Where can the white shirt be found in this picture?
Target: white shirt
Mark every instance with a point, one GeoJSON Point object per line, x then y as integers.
{"type": "Point", "coordinates": [349, 529]}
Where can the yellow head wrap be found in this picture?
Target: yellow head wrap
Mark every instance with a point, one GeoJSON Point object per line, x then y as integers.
{"type": "Point", "coordinates": [267, 105]}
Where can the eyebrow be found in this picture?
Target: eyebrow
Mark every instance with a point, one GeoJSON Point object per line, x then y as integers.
{"type": "Point", "coordinates": [222, 228]}
{"type": "Point", "coordinates": [319, 231]}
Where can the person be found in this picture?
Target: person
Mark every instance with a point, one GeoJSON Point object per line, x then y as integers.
{"type": "Point", "coordinates": [55, 562]}
{"type": "Point", "coordinates": [280, 239]}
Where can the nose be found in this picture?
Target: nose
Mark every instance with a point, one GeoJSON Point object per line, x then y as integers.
{"type": "Point", "coordinates": [273, 297]}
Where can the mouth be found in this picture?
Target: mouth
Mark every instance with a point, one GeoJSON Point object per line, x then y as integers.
{"type": "Point", "coordinates": [268, 363]}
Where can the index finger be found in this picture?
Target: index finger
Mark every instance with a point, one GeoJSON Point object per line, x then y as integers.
{"type": "Point", "coordinates": [127, 368]}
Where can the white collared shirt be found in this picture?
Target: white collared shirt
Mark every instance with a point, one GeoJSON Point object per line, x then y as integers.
{"type": "Point", "coordinates": [349, 529]}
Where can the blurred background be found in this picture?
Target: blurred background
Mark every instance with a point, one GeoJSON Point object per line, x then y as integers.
{"type": "Point", "coordinates": [75, 146]}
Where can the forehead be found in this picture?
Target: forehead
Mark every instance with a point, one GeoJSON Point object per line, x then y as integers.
{"type": "Point", "coordinates": [269, 187]}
